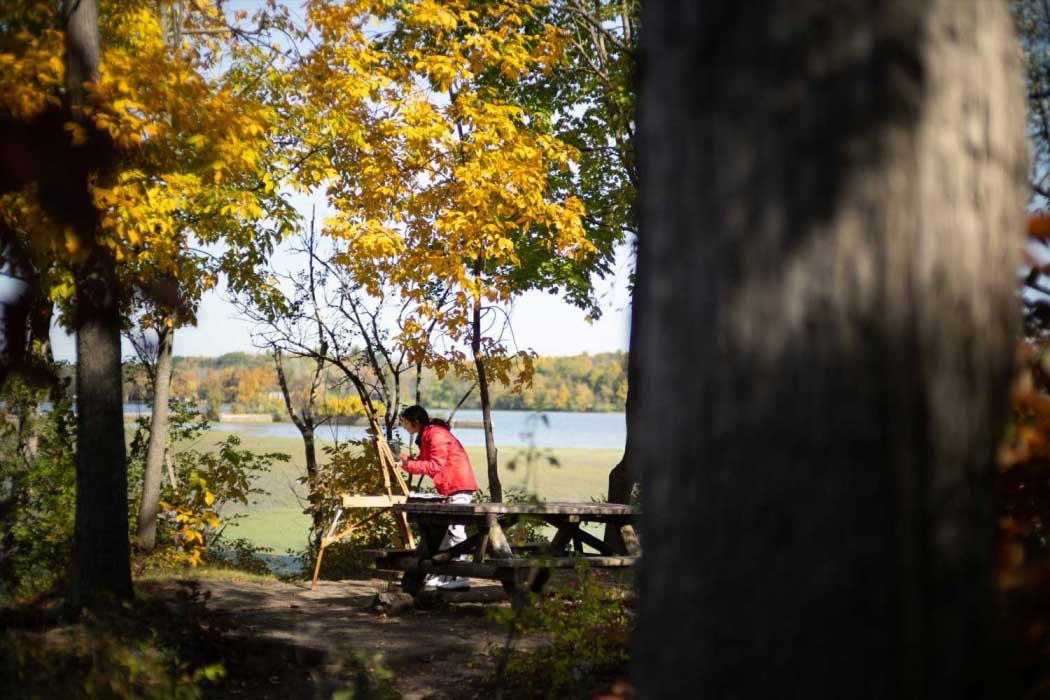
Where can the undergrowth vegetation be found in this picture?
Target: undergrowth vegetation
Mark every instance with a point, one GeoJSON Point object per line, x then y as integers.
{"type": "Point", "coordinates": [587, 624]}
{"type": "Point", "coordinates": [151, 650]}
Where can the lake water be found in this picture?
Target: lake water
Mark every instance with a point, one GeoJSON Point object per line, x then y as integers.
{"type": "Point", "coordinates": [510, 429]}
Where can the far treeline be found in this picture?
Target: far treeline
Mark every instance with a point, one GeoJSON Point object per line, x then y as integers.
{"type": "Point", "coordinates": [248, 383]}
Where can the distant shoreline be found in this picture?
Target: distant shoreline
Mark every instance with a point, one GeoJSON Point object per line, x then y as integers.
{"type": "Point", "coordinates": [263, 418]}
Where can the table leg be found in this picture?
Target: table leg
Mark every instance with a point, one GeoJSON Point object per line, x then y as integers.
{"type": "Point", "coordinates": [483, 542]}
{"type": "Point", "coordinates": [430, 536]}
{"type": "Point", "coordinates": [571, 531]}
{"type": "Point", "coordinates": [497, 539]}
{"type": "Point", "coordinates": [412, 583]}
{"type": "Point", "coordinates": [631, 545]}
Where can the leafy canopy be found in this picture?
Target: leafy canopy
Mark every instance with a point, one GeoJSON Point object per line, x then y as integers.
{"type": "Point", "coordinates": [437, 181]}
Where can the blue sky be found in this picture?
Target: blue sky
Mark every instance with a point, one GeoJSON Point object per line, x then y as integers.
{"type": "Point", "coordinates": [543, 322]}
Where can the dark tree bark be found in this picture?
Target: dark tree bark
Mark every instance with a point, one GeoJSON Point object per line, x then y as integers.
{"type": "Point", "coordinates": [101, 551]}
{"type": "Point", "coordinates": [621, 477]}
{"type": "Point", "coordinates": [621, 484]}
{"type": "Point", "coordinates": [102, 568]}
{"type": "Point", "coordinates": [156, 449]}
{"type": "Point", "coordinates": [833, 202]}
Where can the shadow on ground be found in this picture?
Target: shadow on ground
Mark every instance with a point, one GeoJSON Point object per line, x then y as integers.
{"type": "Point", "coordinates": [283, 640]}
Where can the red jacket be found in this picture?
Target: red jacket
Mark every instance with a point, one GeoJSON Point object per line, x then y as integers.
{"type": "Point", "coordinates": [443, 459]}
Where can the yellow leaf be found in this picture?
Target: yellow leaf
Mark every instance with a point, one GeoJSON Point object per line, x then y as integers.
{"type": "Point", "coordinates": [72, 241]}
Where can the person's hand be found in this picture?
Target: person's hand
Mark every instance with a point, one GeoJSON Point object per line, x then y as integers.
{"type": "Point", "coordinates": [404, 458]}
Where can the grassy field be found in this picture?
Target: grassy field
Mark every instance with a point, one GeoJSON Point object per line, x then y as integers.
{"type": "Point", "coordinates": [277, 521]}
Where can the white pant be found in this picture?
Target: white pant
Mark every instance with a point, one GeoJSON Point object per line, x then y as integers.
{"type": "Point", "coordinates": [457, 533]}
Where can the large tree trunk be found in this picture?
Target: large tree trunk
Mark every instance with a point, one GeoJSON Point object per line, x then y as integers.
{"type": "Point", "coordinates": [101, 549]}
{"type": "Point", "coordinates": [157, 448]}
{"type": "Point", "coordinates": [832, 212]}
{"type": "Point", "coordinates": [101, 552]}
{"type": "Point", "coordinates": [491, 460]}
{"type": "Point", "coordinates": [621, 477]}
{"type": "Point", "coordinates": [621, 485]}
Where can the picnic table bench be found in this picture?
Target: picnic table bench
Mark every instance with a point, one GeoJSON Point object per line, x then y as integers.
{"type": "Point", "coordinates": [490, 554]}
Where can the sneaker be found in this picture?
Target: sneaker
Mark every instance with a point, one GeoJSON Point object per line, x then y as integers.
{"type": "Point", "coordinates": [454, 583]}
{"type": "Point", "coordinates": [434, 581]}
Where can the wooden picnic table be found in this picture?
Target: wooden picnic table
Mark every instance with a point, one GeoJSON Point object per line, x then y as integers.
{"type": "Point", "coordinates": [491, 554]}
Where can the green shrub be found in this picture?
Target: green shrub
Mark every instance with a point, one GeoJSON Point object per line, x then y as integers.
{"type": "Point", "coordinates": [37, 491]}
{"type": "Point", "coordinates": [372, 680]}
{"type": "Point", "coordinates": [588, 625]}
{"type": "Point", "coordinates": [191, 519]}
{"type": "Point", "coordinates": [240, 554]}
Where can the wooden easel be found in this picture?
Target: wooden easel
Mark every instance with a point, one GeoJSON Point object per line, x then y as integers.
{"type": "Point", "coordinates": [388, 465]}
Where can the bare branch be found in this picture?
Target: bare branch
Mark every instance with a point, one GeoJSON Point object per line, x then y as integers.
{"type": "Point", "coordinates": [577, 9]}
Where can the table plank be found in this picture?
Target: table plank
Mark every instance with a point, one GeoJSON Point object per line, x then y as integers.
{"type": "Point", "coordinates": [349, 501]}
{"type": "Point", "coordinates": [497, 568]}
{"type": "Point", "coordinates": [587, 510]}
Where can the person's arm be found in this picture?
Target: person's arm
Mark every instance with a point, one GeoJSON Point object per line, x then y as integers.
{"type": "Point", "coordinates": [433, 455]}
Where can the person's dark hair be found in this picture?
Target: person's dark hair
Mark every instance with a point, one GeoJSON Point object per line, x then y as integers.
{"type": "Point", "coordinates": [418, 414]}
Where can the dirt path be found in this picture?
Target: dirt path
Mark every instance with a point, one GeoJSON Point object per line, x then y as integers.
{"type": "Point", "coordinates": [283, 640]}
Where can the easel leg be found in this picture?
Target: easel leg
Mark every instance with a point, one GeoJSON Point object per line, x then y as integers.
{"type": "Point", "coordinates": [329, 538]}
{"type": "Point", "coordinates": [317, 566]}
{"type": "Point", "coordinates": [324, 543]}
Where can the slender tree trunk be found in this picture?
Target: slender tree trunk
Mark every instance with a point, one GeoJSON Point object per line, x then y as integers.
{"type": "Point", "coordinates": [158, 440]}
{"type": "Point", "coordinates": [39, 370]}
{"type": "Point", "coordinates": [101, 551]}
{"type": "Point", "coordinates": [305, 423]}
{"type": "Point", "coordinates": [495, 488]}
{"type": "Point", "coordinates": [833, 202]}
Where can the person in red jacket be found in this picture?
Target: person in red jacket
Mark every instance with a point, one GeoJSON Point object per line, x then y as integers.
{"type": "Point", "coordinates": [443, 459]}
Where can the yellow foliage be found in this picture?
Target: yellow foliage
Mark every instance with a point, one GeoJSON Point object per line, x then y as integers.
{"type": "Point", "coordinates": [350, 405]}
{"type": "Point", "coordinates": [192, 144]}
{"type": "Point", "coordinates": [194, 519]}
{"type": "Point", "coordinates": [428, 169]}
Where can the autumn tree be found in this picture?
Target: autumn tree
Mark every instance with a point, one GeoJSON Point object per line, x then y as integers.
{"type": "Point", "coordinates": [202, 180]}
{"type": "Point", "coordinates": [157, 358]}
{"type": "Point", "coordinates": [825, 319]}
{"type": "Point", "coordinates": [1033, 21]}
{"type": "Point", "coordinates": [197, 194]}
{"type": "Point", "coordinates": [598, 117]}
{"type": "Point", "coordinates": [588, 97]}
{"type": "Point", "coordinates": [298, 328]}
{"type": "Point", "coordinates": [324, 318]}
{"type": "Point", "coordinates": [101, 556]}
{"type": "Point", "coordinates": [437, 179]}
